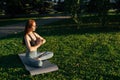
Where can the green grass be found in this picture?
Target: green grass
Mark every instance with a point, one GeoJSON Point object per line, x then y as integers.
{"type": "Point", "coordinates": [89, 53]}
{"type": "Point", "coordinates": [96, 19]}
{"type": "Point", "coordinates": [86, 19]}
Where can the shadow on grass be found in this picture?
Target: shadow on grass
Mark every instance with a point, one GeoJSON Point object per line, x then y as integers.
{"type": "Point", "coordinates": [67, 27]}
{"type": "Point", "coordinates": [72, 29]}
{"type": "Point", "coordinates": [111, 77]}
{"type": "Point", "coordinates": [11, 64]}
{"type": "Point", "coordinates": [13, 61]}
{"type": "Point", "coordinates": [59, 30]}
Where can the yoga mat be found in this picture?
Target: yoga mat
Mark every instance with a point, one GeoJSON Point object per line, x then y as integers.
{"type": "Point", "coordinates": [47, 66]}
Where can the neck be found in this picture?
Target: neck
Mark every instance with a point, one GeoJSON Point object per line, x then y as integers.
{"type": "Point", "coordinates": [30, 32]}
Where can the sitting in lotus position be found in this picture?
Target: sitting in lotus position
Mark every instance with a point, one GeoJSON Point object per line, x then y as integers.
{"type": "Point", "coordinates": [33, 41]}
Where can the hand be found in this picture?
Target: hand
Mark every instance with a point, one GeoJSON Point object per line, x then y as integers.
{"type": "Point", "coordinates": [44, 41]}
{"type": "Point", "coordinates": [38, 41]}
{"type": "Point", "coordinates": [38, 59]}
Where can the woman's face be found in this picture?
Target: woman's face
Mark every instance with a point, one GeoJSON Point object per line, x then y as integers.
{"type": "Point", "coordinates": [34, 26]}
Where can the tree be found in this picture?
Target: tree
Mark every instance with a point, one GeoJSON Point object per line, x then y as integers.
{"type": "Point", "coordinates": [74, 7]}
{"type": "Point", "coordinates": [77, 8]}
{"type": "Point", "coordinates": [59, 7]}
{"type": "Point", "coordinates": [117, 5]}
{"type": "Point", "coordinates": [14, 7]}
{"type": "Point", "coordinates": [102, 8]}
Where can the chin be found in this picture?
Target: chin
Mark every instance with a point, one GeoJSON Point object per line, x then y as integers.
{"type": "Point", "coordinates": [33, 30]}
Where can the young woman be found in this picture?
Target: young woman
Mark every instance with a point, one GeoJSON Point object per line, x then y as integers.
{"type": "Point", "coordinates": [33, 41]}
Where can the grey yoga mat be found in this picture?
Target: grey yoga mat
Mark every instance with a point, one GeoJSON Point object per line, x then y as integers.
{"type": "Point", "coordinates": [47, 66]}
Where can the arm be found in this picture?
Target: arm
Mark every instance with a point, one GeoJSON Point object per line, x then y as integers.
{"type": "Point", "coordinates": [28, 45]}
{"type": "Point", "coordinates": [41, 38]}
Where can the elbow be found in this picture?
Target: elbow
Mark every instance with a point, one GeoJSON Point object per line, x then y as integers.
{"type": "Point", "coordinates": [44, 41]}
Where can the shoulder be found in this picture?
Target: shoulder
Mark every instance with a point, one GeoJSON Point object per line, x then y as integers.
{"type": "Point", "coordinates": [36, 34]}
{"type": "Point", "coordinates": [26, 37]}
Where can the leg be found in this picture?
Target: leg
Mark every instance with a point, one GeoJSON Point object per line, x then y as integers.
{"type": "Point", "coordinates": [34, 62]}
{"type": "Point", "coordinates": [45, 55]}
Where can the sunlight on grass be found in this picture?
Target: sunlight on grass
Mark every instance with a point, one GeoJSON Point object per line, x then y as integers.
{"type": "Point", "coordinates": [84, 54]}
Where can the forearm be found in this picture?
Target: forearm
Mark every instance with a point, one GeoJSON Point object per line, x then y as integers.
{"type": "Point", "coordinates": [33, 48]}
{"type": "Point", "coordinates": [38, 45]}
{"type": "Point", "coordinates": [43, 41]}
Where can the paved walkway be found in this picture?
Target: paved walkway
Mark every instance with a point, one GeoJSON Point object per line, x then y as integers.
{"type": "Point", "coordinates": [14, 28]}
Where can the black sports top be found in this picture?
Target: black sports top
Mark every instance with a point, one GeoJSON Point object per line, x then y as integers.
{"type": "Point", "coordinates": [34, 42]}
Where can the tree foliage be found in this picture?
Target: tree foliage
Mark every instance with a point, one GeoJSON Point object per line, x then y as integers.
{"type": "Point", "coordinates": [117, 5]}
{"type": "Point", "coordinates": [75, 9]}
{"type": "Point", "coordinates": [78, 7]}
{"type": "Point", "coordinates": [15, 7]}
{"type": "Point", "coordinates": [101, 7]}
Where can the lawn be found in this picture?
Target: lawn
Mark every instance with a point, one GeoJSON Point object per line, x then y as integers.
{"type": "Point", "coordinates": [88, 53]}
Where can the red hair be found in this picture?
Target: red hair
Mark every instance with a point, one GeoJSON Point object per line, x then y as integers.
{"type": "Point", "coordinates": [28, 26]}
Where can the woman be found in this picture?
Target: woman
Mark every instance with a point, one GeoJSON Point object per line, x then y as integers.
{"type": "Point", "coordinates": [33, 41]}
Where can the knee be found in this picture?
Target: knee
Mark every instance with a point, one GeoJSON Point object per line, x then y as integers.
{"type": "Point", "coordinates": [50, 54]}
{"type": "Point", "coordinates": [40, 63]}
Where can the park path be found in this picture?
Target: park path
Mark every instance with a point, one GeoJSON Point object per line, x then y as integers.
{"type": "Point", "coordinates": [15, 28]}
